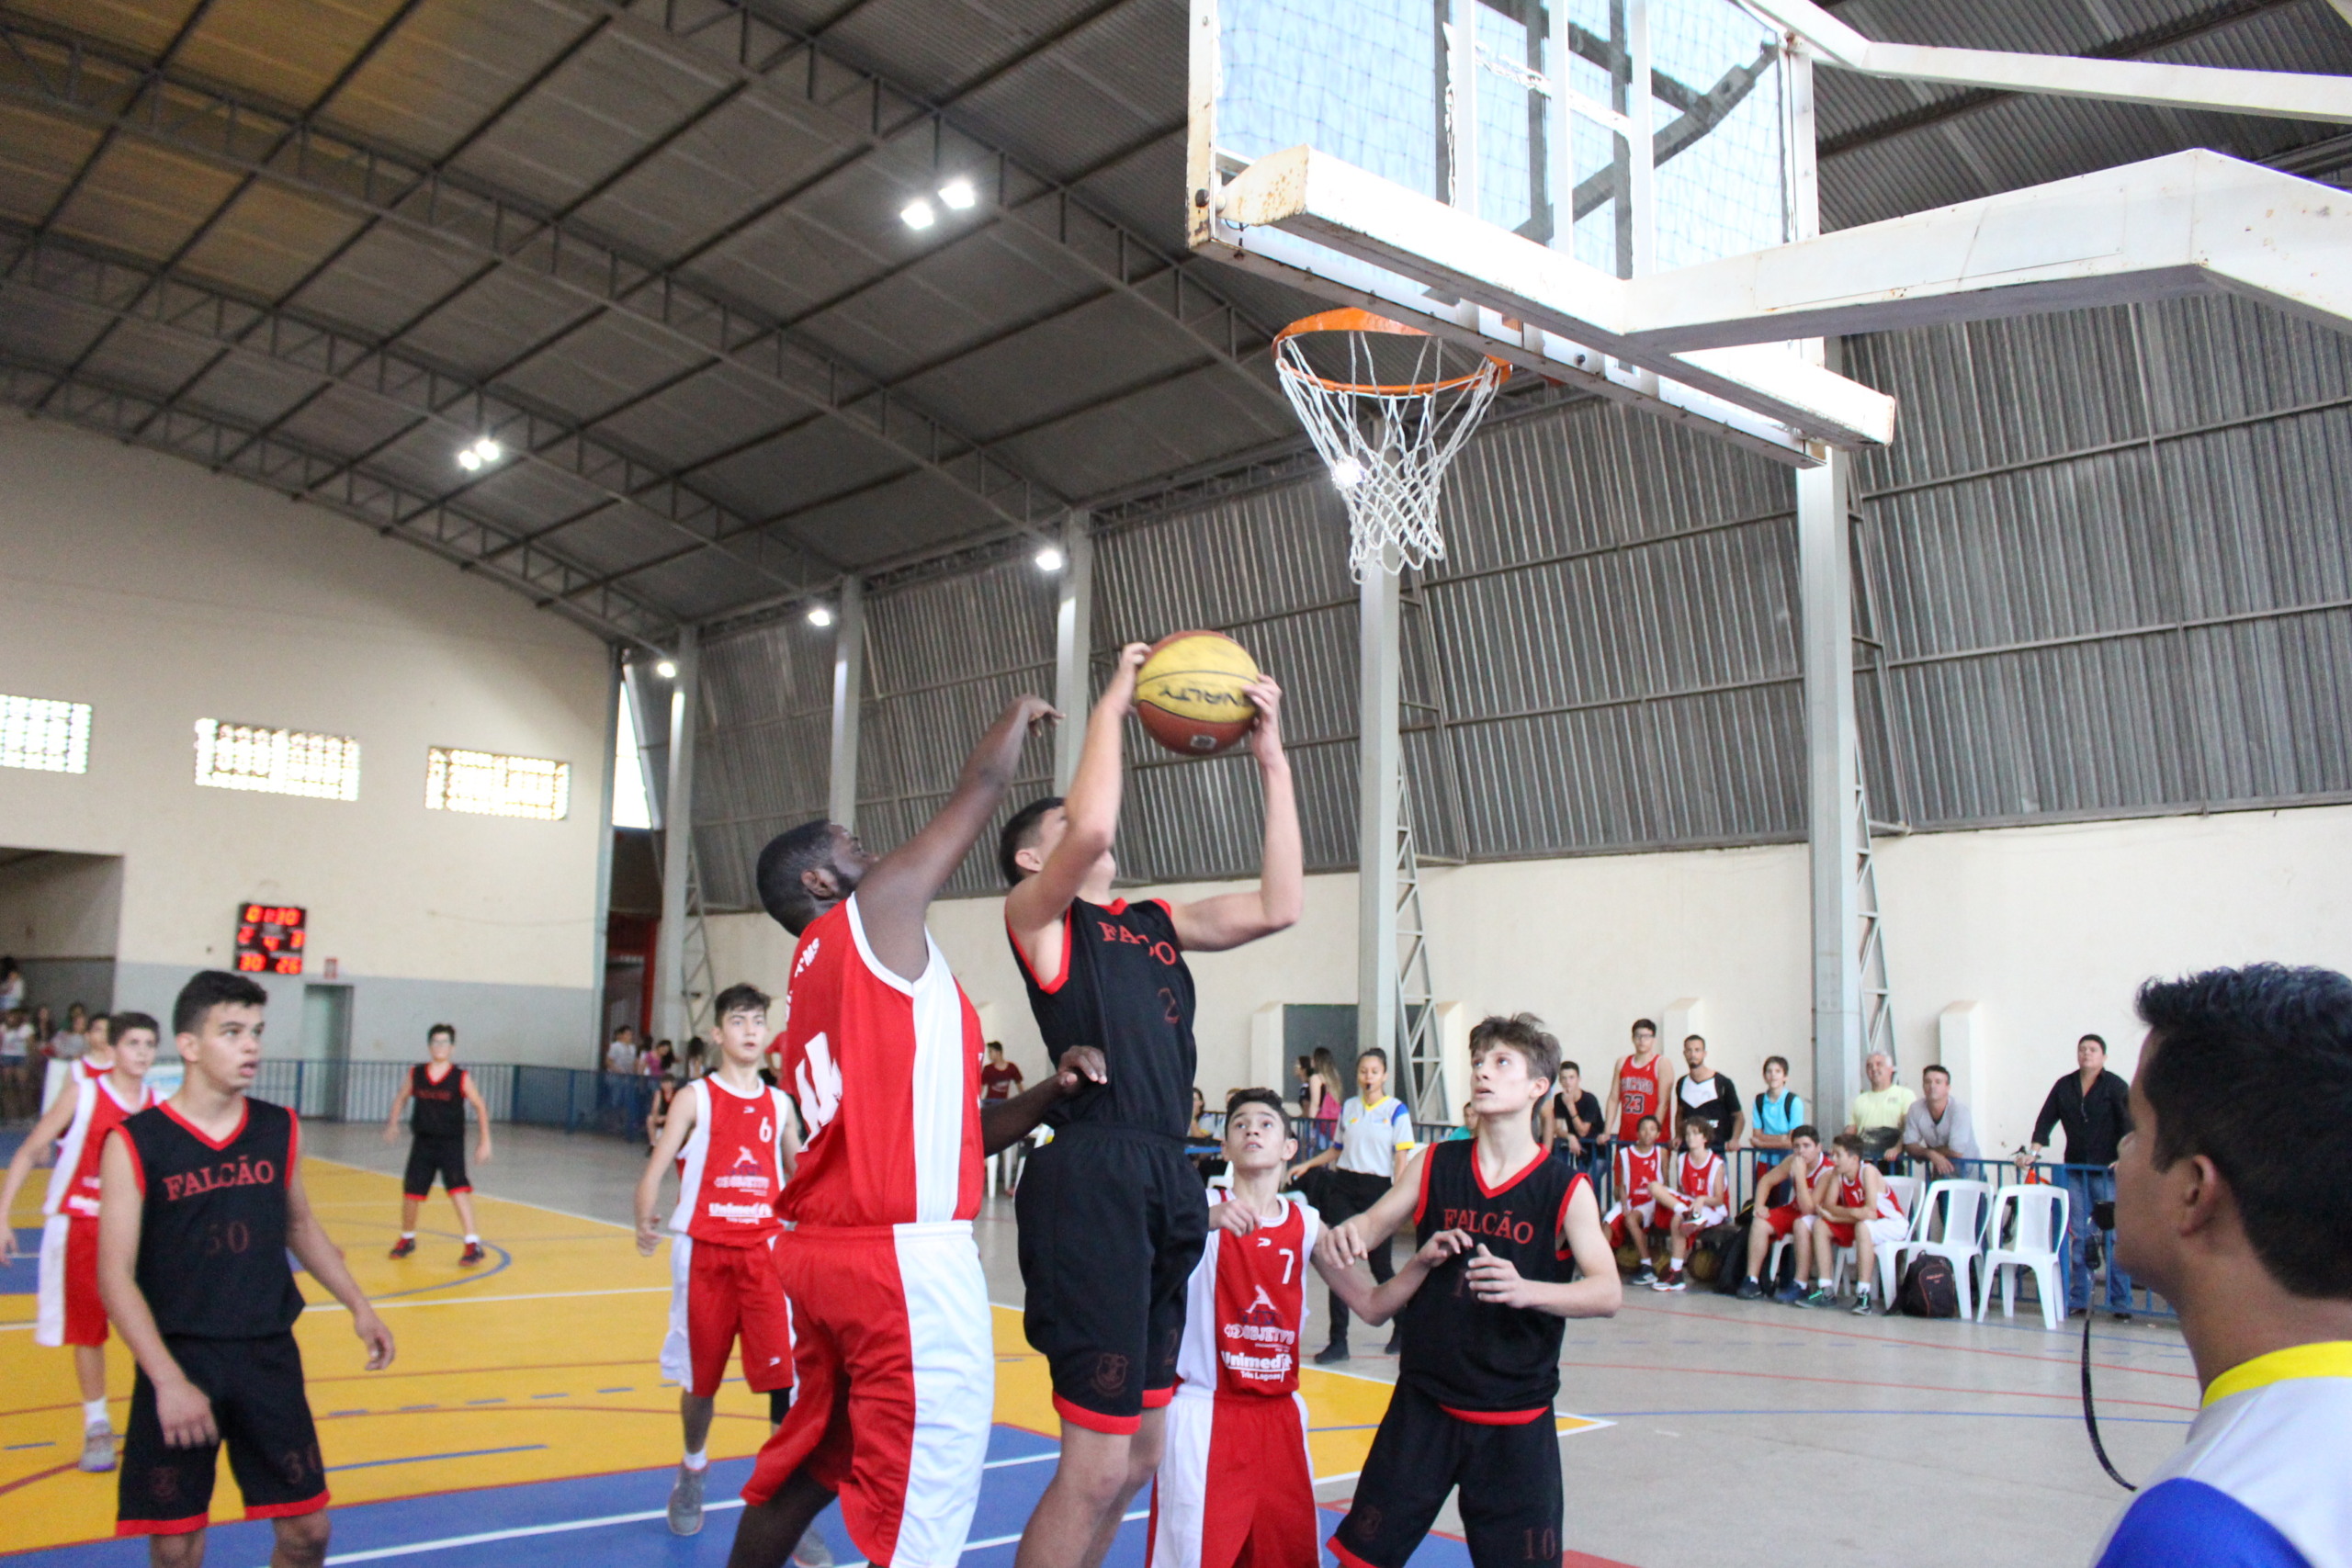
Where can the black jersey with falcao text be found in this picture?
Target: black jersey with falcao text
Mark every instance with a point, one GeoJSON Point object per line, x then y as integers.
{"type": "Point", "coordinates": [213, 1222]}
{"type": "Point", "coordinates": [1478, 1356]}
{"type": "Point", "coordinates": [440, 1106]}
{"type": "Point", "coordinates": [1123, 987]}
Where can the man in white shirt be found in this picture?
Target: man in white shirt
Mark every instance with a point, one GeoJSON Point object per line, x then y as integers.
{"type": "Point", "coordinates": [1937, 1129]}
{"type": "Point", "coordinates": [2230, 1203]}
{"type": "Point", "coordinates": [620, 1057]}
{"type": "Point", "coordinates": [1374, 1128]}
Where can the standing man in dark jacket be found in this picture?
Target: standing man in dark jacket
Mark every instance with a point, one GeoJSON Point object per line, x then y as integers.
{"type": "Point", "coordinates": [2094, 1107]}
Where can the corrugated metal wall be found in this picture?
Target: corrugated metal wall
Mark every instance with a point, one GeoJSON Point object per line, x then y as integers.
{"type": "Point", "coordinates": [2103, 571]}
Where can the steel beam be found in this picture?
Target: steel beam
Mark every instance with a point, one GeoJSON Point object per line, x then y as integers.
{"type": "Point", "coordinates": [1379, 760]}
{"type": "Point", "coordinates": [849, 700]}
{"type": "Point", "coordinates": [600, 931]}
{"type": "Point", "coordinates": [92, 82]}
{"type": "Point", "coordinates": [1073, 644]}
{"type": "Point", "coordinates": [672, 1015]}
{"type": "Point", "coordinates": [468, 406]}
{"type": "Point", "coordinates": [1824, 572]}
{"type": "Point", "coordinates": [342, 484]}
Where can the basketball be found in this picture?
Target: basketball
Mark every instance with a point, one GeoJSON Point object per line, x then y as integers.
{"type": "Point", "coordinates": [1189, 692]}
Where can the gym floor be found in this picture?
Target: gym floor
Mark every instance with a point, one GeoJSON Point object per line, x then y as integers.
{"type": "Point", "coordinates": [524, 1420]}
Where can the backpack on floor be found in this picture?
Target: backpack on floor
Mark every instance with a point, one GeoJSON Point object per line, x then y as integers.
{"type": "Point", "coordinates": [1720, 1256]}
{"type": "Point", "coordinates": [1930, 1287]}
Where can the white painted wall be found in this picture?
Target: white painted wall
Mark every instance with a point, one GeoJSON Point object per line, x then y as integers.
{"type": "Point", "coordinates": [2047, 929]}
{"type": "Point", "coordinates": [161, 594]}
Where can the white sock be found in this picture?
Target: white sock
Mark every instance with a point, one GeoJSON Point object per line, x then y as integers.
{"type": "Point", "coordinates": [94, 1412]}
{"type": "Point", "coordinates": [408, 1235]}
{"type": "Point", "coordinates": [472, 1240]}
{"type": "Point", "coordinates": [698, 1458]}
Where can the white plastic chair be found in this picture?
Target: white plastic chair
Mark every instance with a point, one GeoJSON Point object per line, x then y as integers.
{"type": "Point", "coordinates": [1959, 1239]}
{"type": "Point", "coordinates": [2040, 1214]}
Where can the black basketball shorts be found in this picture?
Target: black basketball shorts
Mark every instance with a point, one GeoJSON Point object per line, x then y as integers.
{"type": "Point", "coordinates": [1112, 1222]}
{"type": "Point", "coordinates": [1509, 1477]}
{"type": "Point", "coordinates": [263, 1414]}
{"type": "Point", "coordinates": [442, 1155]}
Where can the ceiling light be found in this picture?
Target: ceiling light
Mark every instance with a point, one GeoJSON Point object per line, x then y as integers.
{"type": "Point", "coordinates": [1049, 559]}
{"type": "Point", "coordinates": [820, 615]}
{"type": "Point", "coordinates": [1347, 473]}
{"type": "Point", "coordinates": [484, 451]}
{"type": "Point", "coordinates": [959, 194]}
{"type": "Point", "coordinates": [491, 450]}
{"type": "Point", "coordinates": [667, 669]}
{"type": "Point", "coordinates": [469, 460]}
{"type": "Point", "coordinates": [919, 215]}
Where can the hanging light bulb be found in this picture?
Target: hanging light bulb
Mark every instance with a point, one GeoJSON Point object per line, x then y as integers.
{"type": "Point", "coordinates": [1347, 473]}
{"type": "Point", "coordinates": [1049, 559]}
{"type": "Point", "coordinates": [667, 669]}
{"type": "Point", "coordinates": [820, 615]}
{"type": "Point", "coordinates": [958, 194]}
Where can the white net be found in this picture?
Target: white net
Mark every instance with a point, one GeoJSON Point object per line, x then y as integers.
{"type": "Point", "coordinates": [1387, 407]}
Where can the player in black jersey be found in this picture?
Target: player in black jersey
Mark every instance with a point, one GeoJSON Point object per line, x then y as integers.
{"type": "Point", "coordinates": [202, 1199]}
{"type": "Point", "coordinates": [1113, 1216]}
{"type": "Point", "coordinates": [1481, 1362]}
{"type": "Point", "coordinates": [442, 1090]}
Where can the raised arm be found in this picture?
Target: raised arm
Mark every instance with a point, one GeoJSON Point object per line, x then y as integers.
{"type": "Point", "coordinates": [46, 1131]}
{"type": "Point", "coordinates": [1004, 1123]}
{"type": "Point", "coordinates": [1212, 925]}
{"type": "Point", "coordinates": [893, 896]}
{"type": "Point", "coordinates": [1090, 814]}
{"type": "Point", "coordinates": [308, 1240]}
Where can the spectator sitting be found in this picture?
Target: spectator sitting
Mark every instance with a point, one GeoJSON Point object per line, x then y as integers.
{"type": "Point", "coordinates": [1636, 1214]}
{"type": "Point", "coordinates": [1937, 1130]}
{"type": "Point", "coordinates": [1878, 1111]}
{"type": "Point", "coordinates": [1706, 1093]}
{"type": "Point", "coordinates": [2094, 1107]}
{"type": "Point", "coordinates": [12, 986]}
{"type": "Point", "coordinates": [1699, 1198]}
{"type": "Point", "coordinates": [1780, 1110]}
{"type": "Point", "coordinates": [1574, 1117]}
{"type": "Point", "coordinates": [1784, 1208]}
{"type": "Point", "coordinates": [658, 1113]}
{"type": "Point", "coordinates": [65, 1043]}
{"type": "Point", "coordinates": [1469, 1128]}
{"type": "Point", "coordinates": [662, 1058]}
{"type": "Point", "coordinates": [1854, 1208]}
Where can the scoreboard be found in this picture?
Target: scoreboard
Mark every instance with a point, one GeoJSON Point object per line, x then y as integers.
{"type": "Point", "coordinates": [269, 939]}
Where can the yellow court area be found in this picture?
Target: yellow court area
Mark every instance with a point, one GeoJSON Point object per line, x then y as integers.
{"type": "Point", "coordinates": [538, 1365]}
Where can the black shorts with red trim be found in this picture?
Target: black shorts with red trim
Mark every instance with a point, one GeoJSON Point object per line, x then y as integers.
{"type": "Point", "coordinates": [442, 1155]}
{"type": "Point", "coordinates": [1507, 1466]}
{"type": "Point", "coordinates": [262, 1413]}
{"type": "Point", "coordinates": [1113, 1220]}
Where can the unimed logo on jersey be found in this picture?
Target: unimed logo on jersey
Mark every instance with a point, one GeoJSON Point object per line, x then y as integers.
{"type": "Point", "coordinates": [212, 1177]}
{"type": "Point", "coordinates": [820, 1080]}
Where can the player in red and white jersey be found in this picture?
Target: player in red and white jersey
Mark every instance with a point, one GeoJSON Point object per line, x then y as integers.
{"type": "Point", "coordinates": [98, 1097]}
{"type": "Point", "coordinates": [1640, 1166]}
{"type": "Point", "coordinates": [1699, 1200]}
{"type": "Point", "coordinates": [1858, 1210]}
{"type": "Point", "coordinates": [896, 1363]}
{"type": "Point", "coordinates": [1235, 1483]}
{"type": "Point", "coordinates": [1638, 1087]}
{"type": "Point", "coordinates": [733, 1140]}
{"type": "Point", "coordinates": [1784, 1198]}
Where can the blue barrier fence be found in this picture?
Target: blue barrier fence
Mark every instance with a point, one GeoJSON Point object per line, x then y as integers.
{"type": "Point", "coordinates": [568, 1097]}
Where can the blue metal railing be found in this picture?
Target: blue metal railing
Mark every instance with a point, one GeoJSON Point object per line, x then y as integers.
{"type": "Point", "coordinates": [567, 1098]}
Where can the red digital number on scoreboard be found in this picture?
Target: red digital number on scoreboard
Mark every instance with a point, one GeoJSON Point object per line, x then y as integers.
{"type": "Point", "coordinates": [270, 939]}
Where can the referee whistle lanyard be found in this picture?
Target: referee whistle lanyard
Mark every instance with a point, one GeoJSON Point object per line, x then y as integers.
{"type": "Point", "coordinates": [2090, 1415]}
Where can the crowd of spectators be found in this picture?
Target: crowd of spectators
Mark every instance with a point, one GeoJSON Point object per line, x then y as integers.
{"type": "Point", "coordinates": [31, 1039]}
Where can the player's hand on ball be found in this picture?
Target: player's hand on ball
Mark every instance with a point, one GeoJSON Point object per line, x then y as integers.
{"type": "Point", "coordinates": [1495, 1279]}
{"type": "Point", "coordinates": [375, 1335]}
{"type": "Point", "coordinates": [1266, 735]}
{"type": "Point", "coordinates": [186, 1415]}
{"type": "Point", "coordinates": [1082, 1067]}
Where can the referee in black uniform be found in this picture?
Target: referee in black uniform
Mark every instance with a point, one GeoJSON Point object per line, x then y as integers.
{"type": "Point", "coordinates": [203, 1199]}
{"type": "Point", "coordinates": [1112, 1217]}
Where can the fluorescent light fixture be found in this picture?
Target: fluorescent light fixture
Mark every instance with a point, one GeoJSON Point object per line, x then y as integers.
{"type": "Point", "coordinates": [959, 194]}
{"type": "Point", "coordinates": [1347, 473]}
{"type": "Point", "coordinates": [484, 451]}
{"type": "Point", "coordinates": [489, 449]}
{"type": "Point", "coordinates": [667, 669]}
{"type": "Point", "coordinates": [469, 460]}
{"type": "Point", "coordinates": [820, 615]}
{"type": "Point", "coordinates": [1049, 559]}
{"type": "Point", "coordinates": [919, 215]}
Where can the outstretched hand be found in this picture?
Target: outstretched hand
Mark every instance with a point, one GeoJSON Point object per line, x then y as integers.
{"type": "Point", "coordinates": [1035, 712]}
{"type": "Point", "coordinates": [1444, 1245]}
{"type": "Point", "coordinates": [1266, 734]}
{"type": "Point", "coordinates": [1082, 1067]}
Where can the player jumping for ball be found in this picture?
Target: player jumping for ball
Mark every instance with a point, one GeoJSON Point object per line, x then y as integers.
{"type": "Point", "coordinates": [894, 1356]}
{"type": "Point", "coordinates": [442, 1090]}
{"type": "Point", "coordinates": [1111, 1215]}
{"type": "Point", "coordinates": [1481, 1365]}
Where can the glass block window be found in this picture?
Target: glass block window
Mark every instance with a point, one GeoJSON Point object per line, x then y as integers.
{"type": "Point", "coordinates": [46, 735]}
{"type": "Point", "coordinates": [491, 785]}
{"type": "Point", "coordinates": [277, 761]}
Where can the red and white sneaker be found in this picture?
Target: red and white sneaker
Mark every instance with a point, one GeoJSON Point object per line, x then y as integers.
{"type": "Point", "coordinates": [472, 1254]}
{"type": "Point", "coordinates": [402, 1247]}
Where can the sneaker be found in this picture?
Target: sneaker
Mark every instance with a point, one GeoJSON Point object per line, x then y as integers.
{"type": "Point", "coordinates": [97, 1450]}
{"type": "Point", "coordinates": [1645, 1275]}
{"type": "Point", "coordinates": [472, 1254]}
{"type": "Point", "coordinates": [685, 1502]}
{"type": "Point", "coordinates": [1862, 1306]}
{"type": "Point", "coordinates": [1789, 1295]}
{"type": "Point", "coordinates": [1749, 1290]}
{"type": "Point", "coordinates": [1331, 1355]}
{"type": "Point", "coordinates": [1674, 1282]}
{"type": "Point", "coordinates": [1818, 1296]}
{"type": "Point", "coordinates": [402, 1247]}
{"type": "Point", "coordinates": [812, 1551]}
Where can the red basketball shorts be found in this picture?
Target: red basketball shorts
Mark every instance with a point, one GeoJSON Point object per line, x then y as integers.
{"type": "Point", "coordinates": [1781, 1220]}
{"type": "Point", "coordinates": [1236, 1489]}
{"type": "Point", "coordinates": [68, 1311]}
{"type": "Point", "coordinates": [895, 1351]}
{"type": "Point", "coordinates": [717, 1295]}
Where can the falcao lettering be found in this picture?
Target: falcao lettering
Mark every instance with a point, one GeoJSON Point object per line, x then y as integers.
{"type": "Point", "coordinates": [1481, 1222]}
{"type": "Point", "coordinates": [239, 1172]}
{"type": "Point", "coordinates": [1163, 951]}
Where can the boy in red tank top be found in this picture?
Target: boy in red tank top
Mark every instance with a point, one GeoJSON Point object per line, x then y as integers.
{"type": "Point", "coordinates": [1637, 1089]}
{"type": "Point", "coordinates": [1637, 1216]}
{"type": "Point", "coordinates": [733, 1140]}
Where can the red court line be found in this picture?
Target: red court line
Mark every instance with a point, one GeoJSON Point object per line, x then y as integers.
{"type": "Point", "coordinates": [1861, 1382]}
{"type": "Point", "coordinates": [1913, 1344]}
{"type": "Point", "coordinates": [39, 1475]}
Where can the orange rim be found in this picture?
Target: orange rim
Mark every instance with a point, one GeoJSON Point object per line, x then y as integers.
{"type": "Point", "coordinates": [1351, 319]}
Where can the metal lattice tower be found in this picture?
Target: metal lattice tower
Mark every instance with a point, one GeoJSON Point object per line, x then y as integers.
{"type": "Point", "coordinates": [1878, 1017]}
{"type": "Point", "coordinates": [701, 977]}
{"type": "Point", "coordinates": [1418, 1047]}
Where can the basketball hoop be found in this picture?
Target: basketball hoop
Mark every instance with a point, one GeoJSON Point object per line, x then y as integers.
{"type": "Point", "coordinates": [1387, 406]}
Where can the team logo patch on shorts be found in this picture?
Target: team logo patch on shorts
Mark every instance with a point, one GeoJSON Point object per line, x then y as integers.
{"type": "Point", "coordinates": [1110, 1374]}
